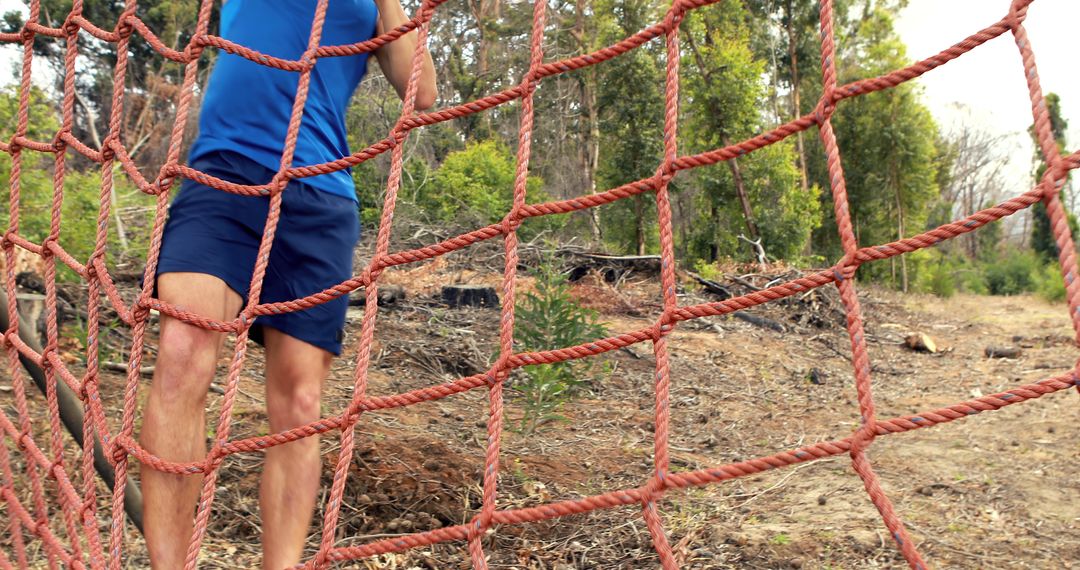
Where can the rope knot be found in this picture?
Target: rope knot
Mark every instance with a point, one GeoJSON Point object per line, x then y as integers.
{"type": "Point", "coordinates": [84, 387]}
{"type": "Point", "coordinates": [116, 452]}
{"type": "Point", "coordinates": [46, 356]}
{"type": "Point", "coordinates": [88, 510]}
{"type": "Point", "coordinates": [140, 310]}
{"type": "Point", "coordinates": [824, 110]}
{"type": "Point", "coordinates": [59, 145]}
{"type": "Point", "coordinates": [1053, 179]}
{"type": "Point", "coordinates": [24, 436]}
{"type": "Point", "coordinates": [107, 152]}
{"type": "Point", "coordinates": [124, 27]}
{"type": "Point", "coordinates": [844, 270]}
{"type": "Point", "coordinates": [162, 184]}
{"type": "Point", "coordinates": [1017, 13]}
{"type": "Point", "coordinates": [70, 27]}
{"type": "Point", "coordinates": [46, 246]}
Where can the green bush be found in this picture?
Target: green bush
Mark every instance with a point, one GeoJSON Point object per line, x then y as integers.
{"type": "Point", "coordinates": [550, 318]}
{"type": "Point", "coordinates": [82, 191]}
{"type": "Point", "coordinates": [1012, 274]}
{"type": "Point", "coordinates": [1049, 283]}
{"type": "Point", "coordinates": [478, 180]}
{"type": "Point", "coordinates": [931, 271]}
{"type": "Point", "coordinates": [971, 279]}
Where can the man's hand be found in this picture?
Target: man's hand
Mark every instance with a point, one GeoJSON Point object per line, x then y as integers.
{"type": "Point", "coordinates": [395, 58]}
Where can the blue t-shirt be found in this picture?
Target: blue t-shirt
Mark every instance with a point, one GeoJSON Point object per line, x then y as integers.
{"type": "Point", "coordinates": [247, 106]}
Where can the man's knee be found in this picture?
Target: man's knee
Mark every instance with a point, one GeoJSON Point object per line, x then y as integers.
{"type": "Point", "coordinates": [295, 406]}
{"type": "Point", "coordinates": [187, 359]}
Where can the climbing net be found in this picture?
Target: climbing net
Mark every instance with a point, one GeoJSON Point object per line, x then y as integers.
{"type": "Point", "coordinates": [86, 546]}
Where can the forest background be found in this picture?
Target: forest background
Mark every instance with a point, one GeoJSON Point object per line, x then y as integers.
{"type": "Point", "coordinates": [747, 66]}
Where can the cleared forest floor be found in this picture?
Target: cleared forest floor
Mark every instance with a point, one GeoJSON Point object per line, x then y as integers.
{"type": "Point", "coordinates": [996, 490]}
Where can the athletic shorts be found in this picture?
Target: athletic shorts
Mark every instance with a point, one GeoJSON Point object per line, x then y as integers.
{"type": "Point", "coordinates": [217, 233]}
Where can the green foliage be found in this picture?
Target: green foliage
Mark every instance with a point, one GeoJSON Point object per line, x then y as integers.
{"type": "Point", "coordinates": [1042, 236]}
{"type": "Point", "coordinates": [707, 269]}
{"type": "Point", "coordinates": [550, 318]}
{"type": "Point", "coordinates": [970, 278]}
{"type": "Point", "coordinates": [1017, 272]}
{"type": "Point", "coordinates": [934, 272]}
{"type": "Point", "coordinates": [1012, 274]}
{"type": "Point", "coordinates": [888, 144]}
{"type": "Point", "coordinates": [477, 185]}
{"type": "Point", "coordinates": [1049, 284]}
{"type": "Point", "coordinates": [725, 94]}
{"type": "Point", "coordinates": [631, 115]}
{"type": "Point", "coordinates": [81, 197]}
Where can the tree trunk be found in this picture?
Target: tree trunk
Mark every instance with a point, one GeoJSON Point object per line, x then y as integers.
{"type": "Point", "coordinates": [744, 199]}
{"type": "Point", "coordinates": [590, 147]}
{"type": "Point", "coordinates": [796, 104]}
{"type": "Point", "coordinates": [900, 234]}
{"type": "Point", "coordinates": [740, 187]}
{"type": "Point", "coordinates": [70, 410]}
{"type": "Point", "coordinates": [639, 214]}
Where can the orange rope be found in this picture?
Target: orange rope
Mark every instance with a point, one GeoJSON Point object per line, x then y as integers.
{"type": "Point", "coordinates": [84, 548]}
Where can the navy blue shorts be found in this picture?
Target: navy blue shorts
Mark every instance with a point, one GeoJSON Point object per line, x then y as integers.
{"type": "Point", "coordinates": [218, 233]}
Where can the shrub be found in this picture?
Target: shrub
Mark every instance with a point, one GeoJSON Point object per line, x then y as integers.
{"type": "Point", "coordinates": [478, 180]}
{"type": "Point", "coordinates": [933, 272]}
{"type": "Point", "coordinates": [1012, 274]}
{"type": "Point", "coordinates": [1049, 284]}
{"type": "Point", "coordinates": [972, 280]}
{"type": "Point", "coordinates": [550, 318]}
{"type": "Point", "coordinates": [82, 190]}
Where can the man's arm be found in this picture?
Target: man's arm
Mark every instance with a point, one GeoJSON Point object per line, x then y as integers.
{"type": "Point", "coordinates": [395, 58]}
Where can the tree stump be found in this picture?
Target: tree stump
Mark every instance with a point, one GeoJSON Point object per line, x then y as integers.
{"type": "Point", "coordinates": [1002, 352]}
{"type": "Point", "coordinates": [388, 295]}
{"type": "Point", "coordinates": [920, 342]}
{"type": "Point", "coordinates": [470, 296]}
{"type": "Point", "coordinates": [32, 311]}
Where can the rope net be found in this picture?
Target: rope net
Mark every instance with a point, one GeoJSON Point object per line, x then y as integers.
{"type": "Point", "coordinates": [86, 545]}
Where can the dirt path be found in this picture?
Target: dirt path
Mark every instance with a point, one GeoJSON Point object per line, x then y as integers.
{"type": "Point", "coordinates": [997, 490]}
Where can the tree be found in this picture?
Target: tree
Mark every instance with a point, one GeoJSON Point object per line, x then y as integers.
{"type": "Point", "coordinates": [760, 195]}
{"type": "Point", "coordinates": [1042, 236]}
{"type": "Point", "coordinates": [970, 164]}
{"type": "Point", "coordinates": [152, 81]}
{"type": "Point", "coordinates": [630, 105]}
{"type": "Point", "coordinates": [887, 146]}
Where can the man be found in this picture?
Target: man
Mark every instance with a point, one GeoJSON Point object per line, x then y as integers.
{"type": "Point", "coordinates": [210, 244]}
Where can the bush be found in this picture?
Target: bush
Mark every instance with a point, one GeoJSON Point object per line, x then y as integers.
{"type": "Point", "coordinates": [971, 279]}
{"type": "Point", "coordinates": [82, 190]}
{"type": "Point", "coordinates": [932, 271]}
{"type": "Point", "coordinates": [478, 180]}
{"type": "Point", "coordinates": [1049, 283]}
{"type": "Point", "coordinates": [549, 318]}
{"type": "Point", "coordinates": [1012, 274]}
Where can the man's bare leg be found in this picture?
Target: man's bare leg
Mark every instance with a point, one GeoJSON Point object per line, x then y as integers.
{"type": "Point", "coordinates": [295, 371]}
{"type": "Point", "coordinates": [174, 426]}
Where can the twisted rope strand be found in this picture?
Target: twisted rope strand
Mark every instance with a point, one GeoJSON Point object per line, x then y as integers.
{"type": "Point", "coordinates": [76, 540]}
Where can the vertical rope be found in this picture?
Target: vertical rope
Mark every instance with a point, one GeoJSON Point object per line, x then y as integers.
{"type": "Point", "coordinates": [45, 470]}
{"type": "Point", "coordinates": [845, 281]}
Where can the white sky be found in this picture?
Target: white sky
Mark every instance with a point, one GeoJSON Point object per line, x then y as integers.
{"type": "Point", "coordinates": [984, 87]}
{"type": "Point", "coordinates": [989, 81]}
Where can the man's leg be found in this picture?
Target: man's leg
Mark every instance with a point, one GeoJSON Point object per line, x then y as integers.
{"type": "Point", "coordinates": [295, 371]}
{"type": "Point", "coordinates": [173, 422]}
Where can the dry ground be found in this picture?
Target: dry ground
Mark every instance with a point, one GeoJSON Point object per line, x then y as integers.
{"type": "Point", "coordinates": [997, 490]}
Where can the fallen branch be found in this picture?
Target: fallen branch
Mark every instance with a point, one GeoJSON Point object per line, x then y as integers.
{"type": "Point", "coordinates": [712, 286]}
{"type": "Point", "coordinates": [71, 415]}
{"type": "Point", "coordinates": [759, 321]}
